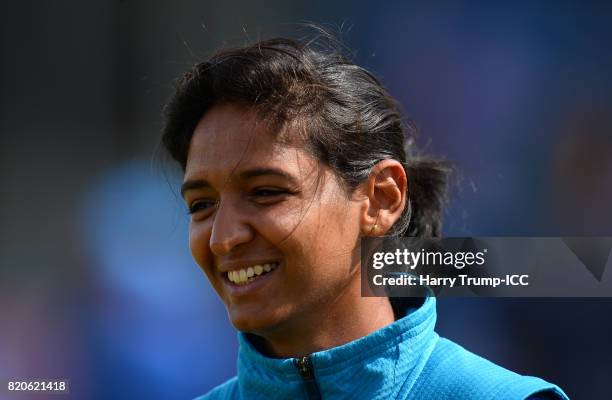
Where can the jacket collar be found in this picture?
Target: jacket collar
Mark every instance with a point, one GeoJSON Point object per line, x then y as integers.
{"type": "Point", "coordinates": [370, 362]}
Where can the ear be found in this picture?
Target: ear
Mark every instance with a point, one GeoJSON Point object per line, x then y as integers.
{"type": "Point", "coordinates": [386, 192]}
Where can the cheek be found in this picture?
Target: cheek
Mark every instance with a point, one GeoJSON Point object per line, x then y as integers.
{"type": "Point", "coordinates": [199, 237]}
{"type": "Point", "coordinates": [341, 227]}
{"type": "Point", "coordinates": [326, 240]}
{"type": "Point", "coordinates": [279, 225]}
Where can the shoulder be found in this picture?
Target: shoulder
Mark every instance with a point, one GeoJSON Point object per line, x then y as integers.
{"type": "Point", "coordinates": [452, 372]}
{"type": "Point", "coordinates": [227, 390]}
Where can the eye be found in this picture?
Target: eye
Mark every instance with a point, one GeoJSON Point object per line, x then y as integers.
{"type": "Point", "coordinates": [201, 205]}
{"type": "Point", "coordinates": [268, 192]}
{"type": "Point", "coordinates": [268, 195]}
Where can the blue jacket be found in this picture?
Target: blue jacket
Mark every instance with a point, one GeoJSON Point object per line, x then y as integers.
{"type": "Point", "coordinates": [404, 360]}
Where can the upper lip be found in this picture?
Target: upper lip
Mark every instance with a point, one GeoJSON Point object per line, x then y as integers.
{"type": "Point", "coordinates": [238, 265]}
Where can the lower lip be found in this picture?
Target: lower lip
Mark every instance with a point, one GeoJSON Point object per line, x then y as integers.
{"type": "Point", "coordinates": [241, 290]}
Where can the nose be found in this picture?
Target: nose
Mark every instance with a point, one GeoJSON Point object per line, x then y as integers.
{"type": "Point", "coordinates": [229, 229]}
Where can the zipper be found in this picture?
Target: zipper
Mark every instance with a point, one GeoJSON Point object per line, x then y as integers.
{"type": "Point", "coordinates": [304, 367]}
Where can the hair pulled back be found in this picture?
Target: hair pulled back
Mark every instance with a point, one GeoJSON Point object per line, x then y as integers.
{"type": "Point", "coordinates": [345, 117]}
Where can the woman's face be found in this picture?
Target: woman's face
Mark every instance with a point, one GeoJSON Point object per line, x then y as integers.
{"type": "Point", "coordinates": [259, 204]}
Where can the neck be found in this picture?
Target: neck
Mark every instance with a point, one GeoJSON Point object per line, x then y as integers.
{"type": "Point", "coordinates": [332, 326]}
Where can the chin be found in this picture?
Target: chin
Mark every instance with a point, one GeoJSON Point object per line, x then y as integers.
{"type": "Point", "coordinates": [254, 322]}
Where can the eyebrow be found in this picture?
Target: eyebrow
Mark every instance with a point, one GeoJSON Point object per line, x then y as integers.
{"type": "Point", "coordinates": [194, 184]}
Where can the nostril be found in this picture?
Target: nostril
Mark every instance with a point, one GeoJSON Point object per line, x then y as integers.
{"type": "Point", "coordinates": [223, 248]}
{"type": "Point", "coordinates": [224, 241]}
{"type": "Point", "coordinates": [229, 227]}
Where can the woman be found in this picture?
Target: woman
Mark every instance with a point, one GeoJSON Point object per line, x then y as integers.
{"type": "Point", "coordinates": [291, 154]}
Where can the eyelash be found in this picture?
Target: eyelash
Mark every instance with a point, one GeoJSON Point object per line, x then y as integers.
{"type": "Point", "coordinates": [199, 205]}
{"type": "Point", "coordinates": [268, 192]}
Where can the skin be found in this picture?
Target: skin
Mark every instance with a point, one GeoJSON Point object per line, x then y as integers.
{"type": "Point", "coordinates": [304, 220]}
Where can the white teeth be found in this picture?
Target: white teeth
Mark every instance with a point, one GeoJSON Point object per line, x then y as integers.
{"type": "Point", "coordinates": [246, 275]}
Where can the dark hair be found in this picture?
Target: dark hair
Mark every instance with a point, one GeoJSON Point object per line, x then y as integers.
{"type": "Point", "coordinates": [344, 116]}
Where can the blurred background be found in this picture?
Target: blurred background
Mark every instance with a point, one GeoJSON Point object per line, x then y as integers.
{"type": "Point", "coordinates": [97, 284]}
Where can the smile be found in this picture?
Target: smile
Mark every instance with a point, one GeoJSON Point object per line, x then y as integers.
{"type": "Point", "coordinates": [247, 275]}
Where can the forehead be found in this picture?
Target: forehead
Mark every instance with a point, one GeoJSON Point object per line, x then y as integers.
{"type": "Point", "coordinates": [230, 137]}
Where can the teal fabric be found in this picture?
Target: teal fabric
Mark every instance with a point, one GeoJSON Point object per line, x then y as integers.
{"type": "Point", "coordinates": [404, 360]}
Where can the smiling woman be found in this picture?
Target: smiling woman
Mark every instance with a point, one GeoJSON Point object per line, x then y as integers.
{"type": "Point", "coordinates": [291, 154]}
{"type": "Point", "coordinates": [258, 203]}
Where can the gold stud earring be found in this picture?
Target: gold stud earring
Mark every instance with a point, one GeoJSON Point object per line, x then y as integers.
{"type": "Point", "coordinates": [374, 229]}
